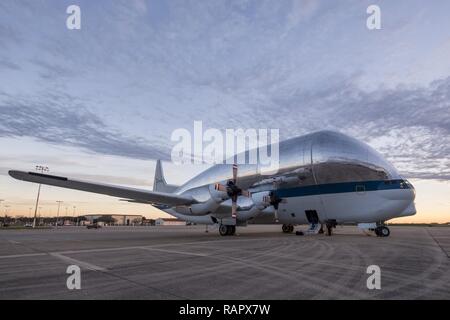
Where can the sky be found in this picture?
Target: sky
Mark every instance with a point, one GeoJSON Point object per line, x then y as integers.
{"type": "Point", "coordinates": [100, 103]}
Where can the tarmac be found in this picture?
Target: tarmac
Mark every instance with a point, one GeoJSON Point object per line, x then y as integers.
{"type": "Point", "coordinates": [260, 262]}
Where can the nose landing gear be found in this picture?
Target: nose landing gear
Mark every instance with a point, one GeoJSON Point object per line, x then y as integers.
{"type": "Point", "coordinates": [330, 224]}
{"type": "Point", "coordinates": [287, 228]}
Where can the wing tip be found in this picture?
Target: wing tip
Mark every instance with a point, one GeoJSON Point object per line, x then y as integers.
{"type": "Point", "coordinates": [15, 173]}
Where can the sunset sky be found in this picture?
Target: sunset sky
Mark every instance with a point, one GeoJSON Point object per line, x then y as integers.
{"type": "Point", "coordinates": [101, 103]}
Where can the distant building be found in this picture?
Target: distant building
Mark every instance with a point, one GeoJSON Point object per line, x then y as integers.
{"type": "Point", "coordinates": [68, 223]}
{"type": "Point", "coordinates": [115, 219]}
{"type": "Point", "coordinates": [169, 222]}
{"type": "Point", "coordinates": [148, 222]}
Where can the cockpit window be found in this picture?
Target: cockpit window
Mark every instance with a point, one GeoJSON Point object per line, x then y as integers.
{"type": "Point", "coordinates": [340, 158]}
{"type": "Point", "coordinates": [405, 184]}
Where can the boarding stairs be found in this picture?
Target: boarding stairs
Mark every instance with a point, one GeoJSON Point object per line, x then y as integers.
{"type": "Point", "coordinates": [314, 228]}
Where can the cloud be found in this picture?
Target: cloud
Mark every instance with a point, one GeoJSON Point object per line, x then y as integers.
{"type": "Point", "coordinates": [302, 10]}
{"type": "Point", "coordinates": [5, 64]}
{"type": "Point", "coordinates": [51, 70]}
{"type": "Point", "coordinates": [410, 126]}
{"type": "Point", "coordinates": [141, 69]}
{"type": "Point", "coordinates": [62, 119]}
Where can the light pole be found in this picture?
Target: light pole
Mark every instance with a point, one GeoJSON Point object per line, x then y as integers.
{"type": "Point", "coordinates": [1, 200]}
{"type": "Point", "coordinates": [57, 214]}
{"type": "Point", "coordinates": [6, 211]}
{"type": "Point", "coordinates": [41, 169]}
{"type": "Point", "coordinates": [73, 214]}
{"type": "Point", "coordinates": [39, 215]}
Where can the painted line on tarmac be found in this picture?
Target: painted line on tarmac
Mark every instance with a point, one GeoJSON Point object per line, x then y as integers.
{"type": "Point", "coordinates": [438, 243]}
{"type": "Point", "coordinates": [23, 255]}
{"type": "Point", "coordinates": [98, 250]}
{"type": "Point", "coordinates": [79, 263]}
{"type": "Point", "coordinates": [158, 246]}
{"type": "Point", "coordinates": [175, 251]}
{"type": "Point", "coordinates": [153, 246]}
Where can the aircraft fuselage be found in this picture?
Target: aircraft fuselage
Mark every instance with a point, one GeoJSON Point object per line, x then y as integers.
{"type": "Point", "coordinates": [329, 174]}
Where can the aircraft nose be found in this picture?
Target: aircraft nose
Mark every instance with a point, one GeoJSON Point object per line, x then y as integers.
{"type": "Point", "coordinates": [412, 192]}
{"type": "Point", "coordinates": [409, 211]}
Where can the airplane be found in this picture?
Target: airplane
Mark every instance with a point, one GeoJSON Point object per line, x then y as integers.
{"type": "Point", "coordinates": [325, 178]}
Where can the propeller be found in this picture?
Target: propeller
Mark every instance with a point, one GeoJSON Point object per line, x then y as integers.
{"type": "Point", "coordinates": [233, 191]}
{"type": "Point", "coordinates": [274, 201]}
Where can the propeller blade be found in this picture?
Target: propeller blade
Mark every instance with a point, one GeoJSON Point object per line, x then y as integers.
{"type": "Point", "coordinates": [233, 207]}
{"type": "Point", "coordinates": [275, 206]}
{"type": "Point", "coordinates": [235, 172]}
{"type": "Point", "coordinates": [220, 187]}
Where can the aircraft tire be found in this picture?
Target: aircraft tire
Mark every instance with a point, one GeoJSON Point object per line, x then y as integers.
{"type": "Point", "coordinates": [384, 231]}
{"type": "Point", "coordinates": [223, 230]}
{"type": "Point", "coordinates": [287, 228]}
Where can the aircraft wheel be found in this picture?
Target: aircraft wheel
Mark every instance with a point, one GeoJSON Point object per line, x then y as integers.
{"type": "Point", "coordinates": [384, 231]}
{"type": "Point", "coordinates": [291, 228]}
{"type": "Point", "coordinates": [231, 230]}
{"type": "Point", "coordinates": [329, 229]}
{"type": "Point", "coordinates": [286, 228]}
{"type": "Point", "coordinates": [223, 230]}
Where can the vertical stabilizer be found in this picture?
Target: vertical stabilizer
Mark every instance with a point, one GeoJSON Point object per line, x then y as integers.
{"type": "Point", "coordinates": [159, 183]}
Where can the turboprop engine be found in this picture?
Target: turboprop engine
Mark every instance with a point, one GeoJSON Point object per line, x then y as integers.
{"type": "Point", "coordinates": [259, 204]}
{"type": "Point", "coordinates": [214, 199]}
{"type": "Point", "coordinates": [217, 193]}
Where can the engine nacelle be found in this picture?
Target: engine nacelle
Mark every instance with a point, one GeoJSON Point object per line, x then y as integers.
{"type": "Point", "coordinates": [260, 199]}
{"type": "Point", "coordinates": [214, 199]}
{"type": "Point", "coordinates": [259, 204]}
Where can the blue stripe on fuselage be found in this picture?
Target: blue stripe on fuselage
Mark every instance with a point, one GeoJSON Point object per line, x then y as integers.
{"type": "Point", "coordinates": [360, 186]}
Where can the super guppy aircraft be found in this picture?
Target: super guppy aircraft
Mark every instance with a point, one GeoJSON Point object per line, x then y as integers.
{"type": "Point", "coordinates": [324, 178]}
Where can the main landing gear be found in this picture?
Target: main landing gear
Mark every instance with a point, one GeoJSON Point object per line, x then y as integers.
{"type": "Point", "coordinates": [225, 230]}
{"type": "Point", "coordinates": [382, 231]}
{"type": "Point", "coordinates": [330, 224]}
{"type": "Point", "coordinates": [287, 228]}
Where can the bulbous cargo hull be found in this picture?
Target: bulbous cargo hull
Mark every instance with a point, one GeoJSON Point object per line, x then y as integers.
{"type": "Point", "coordinates": [336, 176]}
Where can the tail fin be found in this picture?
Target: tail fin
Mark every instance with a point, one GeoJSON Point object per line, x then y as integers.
{"type": "Point", "coordinates": [160, 184]}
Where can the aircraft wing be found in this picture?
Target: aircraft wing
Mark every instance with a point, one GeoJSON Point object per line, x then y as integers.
{"type": "Point", "coordinates": [135, 195]}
